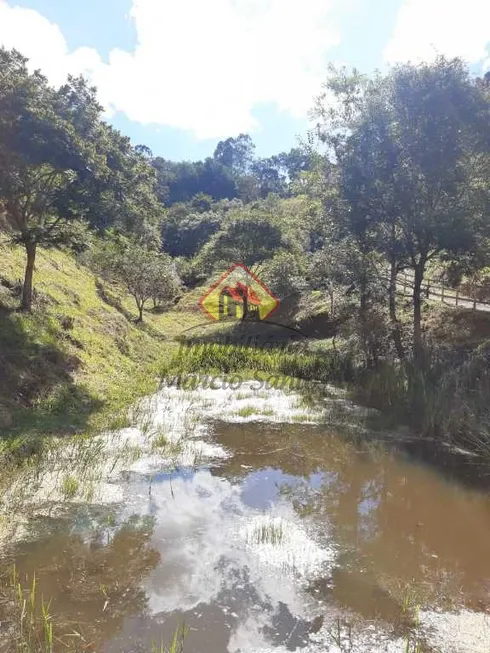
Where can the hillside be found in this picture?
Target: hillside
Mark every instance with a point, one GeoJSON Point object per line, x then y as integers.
{"type": "Point", "coordinates": [79, 355]}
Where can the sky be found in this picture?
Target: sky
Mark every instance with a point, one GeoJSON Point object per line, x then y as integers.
{"type": "Point", "coordinates": [181, 75]}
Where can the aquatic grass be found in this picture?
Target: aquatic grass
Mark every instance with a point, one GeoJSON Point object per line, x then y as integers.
{"type": "Point", "coordinates": [270, 531]}
{"type": "Point", "coordinates": [31, 622]}
{"type": "Point", "coordinates": [160, 442]}
{"type": "Point", "coordinates": [410, 609]}
{"type": "Point", "coordinates": [447, 395]}
{"type": "Point", "coordinates": [246, 411]}
{"type": "Point", "coordinates": [306, 401]}
{"type": "Point", "coordinates": [33, 627]}
{"type": "Point", "coordinates": [301, 418]}
{"type": "Point", "coordinates": [176, 644]}
{"type": "Point", "coordinates": [239, 396]}
{"type": "Point", "coordinates": [267, 412]}
{"type": "Point", "coordinates": [220, 358]}
{"type": "Point", "coordinates": [341, 634]}
{"type": "Point", "coordinates": [69, 487]}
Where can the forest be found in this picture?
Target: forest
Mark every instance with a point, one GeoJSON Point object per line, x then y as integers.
{"type": "Point", "coordinates": [392, 179]}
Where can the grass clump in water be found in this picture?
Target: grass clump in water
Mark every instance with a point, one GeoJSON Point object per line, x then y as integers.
{"type": "Point", "coordinates": [267, 532]}
{"type": "Point", "coordinates": [267, 412]}
{"type": "Point", "coordinates": [177, 643]}
{"type": "Point", "coordinates": [246, 411]}
{"type": "Point", "coordinates": [69, 487]}
{"type": "Point", "coordinates": [31, 626]}
{"type": "Point", "coordinates": [160, 442]}
{"type": "Point", "coordinates": [299, 418]}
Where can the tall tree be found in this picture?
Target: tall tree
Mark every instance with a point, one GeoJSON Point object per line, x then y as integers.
{"type": "Point", "coordinates": [412, 151]}
{"type": "Point", "coordinates": [236, 153]}
{"type": "Point", "coordinates": [60, 163]}
{"type": "Point", "coordinates": [41, 156]}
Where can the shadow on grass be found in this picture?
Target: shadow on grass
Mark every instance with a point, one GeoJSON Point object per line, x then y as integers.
{"type": "Point", "coordinates": [37, 391]}
{"type": "Point", "coordinates": [112, 300]}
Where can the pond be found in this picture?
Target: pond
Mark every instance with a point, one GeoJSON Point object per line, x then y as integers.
{"type": "Point", "coordinates": [261, 521]}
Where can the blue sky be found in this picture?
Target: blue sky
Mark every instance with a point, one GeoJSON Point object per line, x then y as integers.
{"type": "Point", "coordinates": [180, 75]}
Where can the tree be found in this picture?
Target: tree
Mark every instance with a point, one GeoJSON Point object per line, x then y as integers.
{"type": "Point", "coordinates": [119, 188]}
{"type": "Point", "coordinates": [59, 164]}
{"type": "Point", "coordinates": [167, 283]}
{"type": "Point", "coordinates": [247, 239]}
{"type": "Point", "coordinates": [180, 182]}
{"type": "Point", "coordinates": [144, 273]}
{"type": "Point", "coordinates": [411, 150]}
{"type": "Point", "coordinates": [184, 231]}
{"type": "Point", "coordinates": [270, 176]}
{"type": "Point", "coordinates": [236, 154]}
{"type": "Point", "coordinates": [41, 156]}
{"type": "Point", "coordinates": [295, 162]}
{"type": "Point", "coordinates": [284, 274]}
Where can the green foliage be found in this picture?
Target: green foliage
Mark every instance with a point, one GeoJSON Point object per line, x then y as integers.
{"type": "Point", "coordinates": [180, 182]}
{"type": "Point", "coordinates": [145, 273]}
{"type": "Point", "coordinates": [327, 366]}
{"type": "Point", "coordinates": [59, 163]}
{"type": "Point", "coordinates": [185, 231]}
{"type": "Point", "coordinates": [254, 233]}
{"type": "Point", "coordinates": [246, 240]}
{"type": "Point", "coordinates": [412, 161]}
{"type": "Point", "coordinates": [232, 172]}
{"type": "Point", "coordinates": [236, 153]}
{"type": "Point", "coordinates": [284, 274]}
{"type": "Point", "coordinates": [69, 487]}
{"type": "Point", "coordinates": [63, 380]}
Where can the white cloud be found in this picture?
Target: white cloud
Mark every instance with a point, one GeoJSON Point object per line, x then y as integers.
{"type": "Point", "coordinates": [425, 28]}
{"type": "Point", "coordinates": [198, 65]}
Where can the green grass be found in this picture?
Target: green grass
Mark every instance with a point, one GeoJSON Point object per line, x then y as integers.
{"type": "Point", "coordinates": [160, 442]}
{"type": "Point", "coordinates": [69, 487]}
{"type": "Point", "coordinates": [79, 359]}
{"type": "Point", "coordinates": [300, 418]}
{"type": "Point", "coordinates": [246, 411]}
{"type": "Point", "coordinates": [328, 366]}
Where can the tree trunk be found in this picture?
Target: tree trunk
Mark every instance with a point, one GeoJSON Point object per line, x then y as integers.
{"type": "Point", "coordinates": [417, 311]}
{"type": "Point", "coordinates": [26, 303]}
{"type": "Point", "coordinates": [245, 308]}
{"type": "Point", "coordinates": [141, 305]}
{"type": "Point", "coordinates": [332, 299]}
{"type": "Point", "coordinates": [395, 325]}
{"type": "Point", "coordinates": [363, 310]}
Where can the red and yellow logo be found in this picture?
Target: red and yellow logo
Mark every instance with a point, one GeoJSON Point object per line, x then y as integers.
{"type": "Point", "coordinates": [239, 295]}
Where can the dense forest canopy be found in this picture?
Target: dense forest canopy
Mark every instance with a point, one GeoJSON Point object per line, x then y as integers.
{"type": "Point", "coordinates": [232, 172]}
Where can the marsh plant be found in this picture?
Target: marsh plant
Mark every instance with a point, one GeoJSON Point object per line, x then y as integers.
{"type": "Point", "coordinates": [289, 362]}
{"type": "Point", "coordinates": [269, 531]}
{"type": "Point", "coordinates": [32, 627]}
{"type": "Point", "coordinates": [31, 621]}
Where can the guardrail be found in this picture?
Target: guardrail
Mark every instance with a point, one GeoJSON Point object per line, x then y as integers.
{"type": "Point", "coordinates": [436, 290]}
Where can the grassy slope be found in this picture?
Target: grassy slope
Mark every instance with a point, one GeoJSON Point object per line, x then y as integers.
{"type": "Point", "coordinates": [59, 374]}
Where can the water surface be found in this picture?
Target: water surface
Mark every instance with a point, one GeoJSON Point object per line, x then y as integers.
{"type": "Point", "coordinates": [283, 537]}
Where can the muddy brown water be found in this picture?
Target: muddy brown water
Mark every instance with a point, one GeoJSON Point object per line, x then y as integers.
{"type": "Point", "coordinates": [296, 535]}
